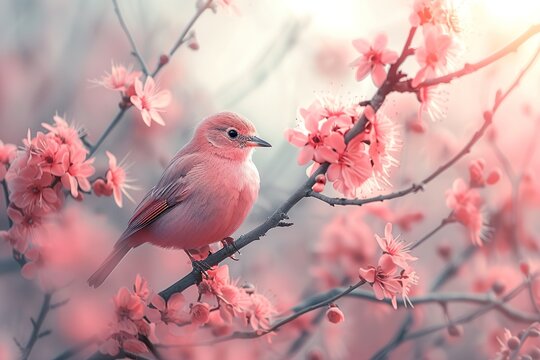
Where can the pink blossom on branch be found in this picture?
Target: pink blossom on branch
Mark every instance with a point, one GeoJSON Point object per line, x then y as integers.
{"type": "Point", "coordinates": [396, 248]}
{"type": "Point", "coordinates": [373, 59]}
{"type": "Point", "coordinates": [117, 179]}
{"type": "Point", "coordinates": [119, 79]}
{"type": "Point", "coordinates": [150, 101]}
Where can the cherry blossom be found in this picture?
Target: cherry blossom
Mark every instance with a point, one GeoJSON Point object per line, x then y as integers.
{"type": "Point", "coordinates": [7, 154]}
{"type": "Point", "coordinates": [120, 78]}
{"type": "Point", "coordinates": [117, 179]}
{"type": "Point", "coordinates": [396, 248]}
{"type": "Point", "coordinates": [374, 58]}
{"type": "Point", "coordinates": [150, 101]}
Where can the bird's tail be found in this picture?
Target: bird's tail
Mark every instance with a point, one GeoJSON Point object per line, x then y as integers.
{"type": "Point", "coordinates": [119, 251]}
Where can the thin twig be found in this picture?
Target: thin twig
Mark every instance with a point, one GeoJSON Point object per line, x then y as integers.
{"type": "Point", "coordinates": [134, 49]}
{"type": "Point", "coordinates": [36, 327]}
{"type": "Point", "coordinates": [447, 220]}
{"type": "Point", "coordinates": [470, 68]}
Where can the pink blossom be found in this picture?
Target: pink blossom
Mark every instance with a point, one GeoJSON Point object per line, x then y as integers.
{"type": "Point", "coordinates": [101, 188]}
{"type": "Point", "coordinates": [504, 350]}
{"type": "Point", "coordinates": [166, 315]}
{"type": "Point", "coordinates": [351, 168]}
{"type": "Point", "coordinates": [117, 180]}
{"type": "Point", "coordinates": [7, 154]}
{"type": "Point", "coordinates": [200, 313]}
{"type": "Point", "coordinates": [129, 308]}
{"type": "Point", "coordinates": [78, 171]}
{"type": "Point", "coordinates": [384, 144]}
{"type": "Point", "coordinates": [260, 312]}
{"type": "Point", "coordinates": [31, 189]}
{"type": "Point", "coordinates": [122, 340]}
{"type": "Point", "coordinates": [218, 277]}
{"type": "Point", "coordinates": [435, 13]}
{"type": "Point", "coordinates": [64, 133]}
{"type": "Point", "coordinates": [383, 280]}
{"type": "Point", "coordinates": [150, 101]}
{"type": "Point", "coordinates": [431, 103]}
{"type": "Point", "coordinates": [25, 222]}
{"type": "Point", "coordinates": [51, 156]}
{"type": "Point", "coordinates": [34, 262]}
{"type": "Point", "coordinates": [466, 204]}
{"type": "Point", "coordinates": [374, 58]}
{"type": "Point", "coordinates": [120, 78]}
{"type": "Point", "coordinates": [308, 134]}
{"type": "Point", "coordinates": [435, 57]}
{"type": "Point", "coordinates": [396, 248]}
{"type": "Point", "coordinates": [17, 242]}
{"type": "Point", "coordinates": [141, 289]}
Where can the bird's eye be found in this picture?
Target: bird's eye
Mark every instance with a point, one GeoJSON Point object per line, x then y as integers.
{"type": "Point", "coordinates": [232, 133]}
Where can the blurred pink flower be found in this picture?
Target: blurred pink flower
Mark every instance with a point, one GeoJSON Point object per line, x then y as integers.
{"type": "Point", "coordinates": [129, 308]}
{"type": "Point", "coordinates": [125, 341]}
{"type": "Point", "coordinates": [150, 101]}
{"type": "Point", "coordinates": [166, 315]}
{"type": "Point", "coordinates": [260, 312]}
{"type": "Point", "coordinates": [200, 313]}
{"type": "Point", "coordinates": [141, 289]}
{"type": "Point", "coordinates": [384, 145]}
{"type": "Point", "coordinates": [25, 222]}
{"type": "Point", "coordinates": [435, 57]}
{"type": "Point", "coordinates": [117, 180]}
{"type": "Point", "coordinates": [35, 262]}
{"type": "Point", "coordinates": [431, 103]}
{"type": "Point", "coordinates": [396, 248]}
{"type": "Point", "coordinates": [17, 242]}
{"type": "Point", "coordinates": [77, 173]}
{"type": "Point", "coordinates": [120, 78]}
{"type": "Point", "coordinates": [374, 57]}
{"type": "Point", "coordinates": [435, 13]}
{"type": "Point", "coordinates": [466, 204]}
{"type": "Point", "coordinates": [7, 154]}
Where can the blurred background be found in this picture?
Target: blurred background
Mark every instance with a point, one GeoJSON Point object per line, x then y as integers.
{"type": "Point", "coordinates": [265, 59]}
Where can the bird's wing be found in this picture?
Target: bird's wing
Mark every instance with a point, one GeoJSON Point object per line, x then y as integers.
{"type": "Point", "coordinates": [170, 191]}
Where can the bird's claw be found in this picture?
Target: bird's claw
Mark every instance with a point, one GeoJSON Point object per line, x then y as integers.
{"type": "Point", "coordinates": [229, 242]}
{"type": "Point", "coordinates": [201, 266]}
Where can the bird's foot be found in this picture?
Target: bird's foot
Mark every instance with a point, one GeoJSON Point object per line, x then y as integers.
{"type": "Point", "coordinates": [227, 243]}
{"type": "Point", "coordinates": [201, 266]}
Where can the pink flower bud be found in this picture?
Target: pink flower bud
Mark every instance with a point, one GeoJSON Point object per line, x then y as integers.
{"type": "Point", "coordinates": [163, 59]}
{"type": "Point", "coordinates": [417, 127]}
{"type": "Point", "coordinates": [200, 313]}
{"type": "Point", "coordinates": [524, 268]}
{"type": "Point", "coordinates": [498, 287]}
{"type": "Point", "coordinates": [476, 173]}
{"type": "Point", "coordinates": [101, 188]}
{"type": "Point", "coordinates": [493, 177]}
{"type": "Point", "coordinates": [320, 181]}
{"type": "Point", "coordinates": [513, 343]}
{"type": "Point", "coordinates": [444, 251]}
{"type": "Point", "coordinates": [193, 44]}
{"type": "Point", "coordinates": [455, 330]}
{"type": "Point", "coordinates": [335, 315]}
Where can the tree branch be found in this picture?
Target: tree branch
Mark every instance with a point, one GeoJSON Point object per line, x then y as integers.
{"type": "Point", "coordinates": [36, 327]}
{"type": "Point", "coordinates": [135, 52]}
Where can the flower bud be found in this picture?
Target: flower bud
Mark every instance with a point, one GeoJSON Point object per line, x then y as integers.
{"type": "Point", "coordinates": [320, 182]}
{"type": "Point", "coordinates": [498, 287]}
{"type": "Point", "coordinates": [163, 59]}
{"type": "Point", "coordinates": [193, 44]}
{"type": "Point", "coordinates": [455, 330]}
{"type": "Point", "coordinates": [334, 314]}
{"type": "Point", "coordinates": [525, 268]}
{"type": "Point", "coordinates": [513, 343]}
{"type": "Point", "coordinates": [493, 177]}
{"type": "Point", "coordinates": [444, 251]}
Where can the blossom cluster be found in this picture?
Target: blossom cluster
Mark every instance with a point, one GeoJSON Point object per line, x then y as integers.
{"type": "Point", "coordinates": [221, 306]}
{"type": "Point", "coordinates": [393, 274]}
{"type": "Point", "coordinates": [147, 97]}
{"type": "Point", "coordinates": [360, 165]}
{"type": "Point", "coordinates": [50, 166]}
{"type": "Point", "coordinates": [466, 202]}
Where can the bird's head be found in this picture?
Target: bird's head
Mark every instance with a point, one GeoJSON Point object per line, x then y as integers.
{"type": "Point", "coordinates": [229, 135]}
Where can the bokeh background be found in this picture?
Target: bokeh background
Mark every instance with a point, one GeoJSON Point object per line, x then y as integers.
{"type": "Point", "coordinates": [265, 59]}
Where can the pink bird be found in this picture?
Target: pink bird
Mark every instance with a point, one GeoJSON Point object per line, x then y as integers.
{"type": "Point", "coordinates": [203, 196]}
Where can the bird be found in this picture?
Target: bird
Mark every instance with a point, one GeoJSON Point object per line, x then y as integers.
{"type": "Point", "coordinates": [203, 196]}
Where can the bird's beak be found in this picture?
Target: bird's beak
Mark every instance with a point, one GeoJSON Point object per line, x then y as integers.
{"type": "Point", "coordinates": [255, 141]}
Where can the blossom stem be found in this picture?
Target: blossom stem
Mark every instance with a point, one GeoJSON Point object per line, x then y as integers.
{"type": "Point", "coordinates": [405, 86]}
{"type": "Point", "coordinates": [184, 35]}
{"type": "Point", "coordinates": [135, 51]}
{"type": "Point", "coordinates": [107, 131]}
{"type": "Point", "coordinates": [447, 220]}
{"type": "Point", "coordinates": [6, 198]}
